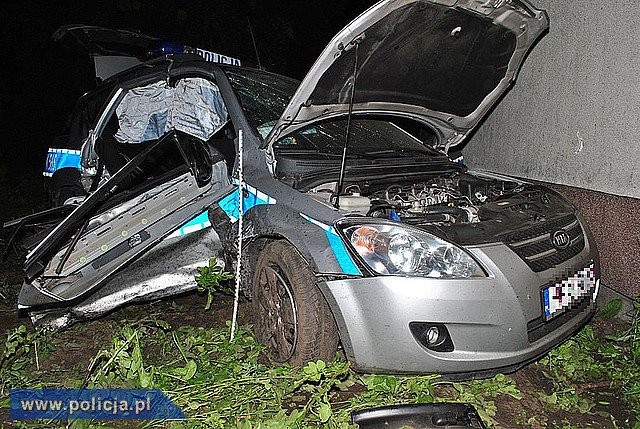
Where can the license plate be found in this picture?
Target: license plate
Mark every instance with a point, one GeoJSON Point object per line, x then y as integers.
{"type": "Point", "coordinates": [568, 293]}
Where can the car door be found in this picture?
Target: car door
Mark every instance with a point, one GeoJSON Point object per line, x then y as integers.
{"type": "Point", "coordinates": [155, 186]}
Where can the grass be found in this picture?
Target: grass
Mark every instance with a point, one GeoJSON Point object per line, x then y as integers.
{"type": "Point", "coordinates": [594, 362]}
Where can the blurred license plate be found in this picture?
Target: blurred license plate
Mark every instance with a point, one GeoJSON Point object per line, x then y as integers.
{"type": "Point", "coordinates": [568, 293]}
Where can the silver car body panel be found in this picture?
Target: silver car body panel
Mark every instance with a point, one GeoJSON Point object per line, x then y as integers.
{"type": "Point", "coordinates": [486, 318]}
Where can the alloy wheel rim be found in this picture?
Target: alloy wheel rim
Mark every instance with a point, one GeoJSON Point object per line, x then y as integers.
{"type": "Point", "coordinates": [278, 315]}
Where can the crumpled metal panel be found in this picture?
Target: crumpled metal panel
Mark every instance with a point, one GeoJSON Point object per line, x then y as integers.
{"type": "Point", "coordinates": [167, 270]}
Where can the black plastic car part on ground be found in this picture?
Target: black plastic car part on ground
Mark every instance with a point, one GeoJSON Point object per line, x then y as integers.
{"type": "Point", "coordinates": [419, 416]}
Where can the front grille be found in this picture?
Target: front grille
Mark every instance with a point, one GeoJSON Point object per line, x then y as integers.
{"type": "Point", "coordinates": [534, 244]}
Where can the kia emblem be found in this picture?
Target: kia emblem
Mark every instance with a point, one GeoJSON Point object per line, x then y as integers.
{"type": "Point", "coordinates": [560, 239]}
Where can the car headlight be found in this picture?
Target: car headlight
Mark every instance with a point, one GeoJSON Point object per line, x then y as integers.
{"type": "Point", "coordinates": [396, 250]}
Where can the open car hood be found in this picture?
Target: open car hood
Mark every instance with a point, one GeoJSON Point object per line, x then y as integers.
{"type": "Point", "coordinates": [443, 62]}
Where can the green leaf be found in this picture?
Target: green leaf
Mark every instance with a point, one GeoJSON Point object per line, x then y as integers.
{"type": "Point", "coordinates": [145, 378]}
{"type": "Point", "coordinates": [190, 370]}
{"type": "Point", "coordinates": [611, 308]}
{"type": "Point", "coordinates": [324, 412]}
{"type": "Point", "coordinates": [311, 371]}
{"type": "Point", "coordinates": [163, 324]}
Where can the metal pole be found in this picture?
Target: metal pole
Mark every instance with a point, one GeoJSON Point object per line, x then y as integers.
{"type": "Point", "coordinates": [236, 298]}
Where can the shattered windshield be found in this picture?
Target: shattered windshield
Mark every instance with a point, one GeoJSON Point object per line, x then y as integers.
{"type": "Point", "coordinates": [369, 137]}
{"type": "Point", "coordinates": [263, 96]}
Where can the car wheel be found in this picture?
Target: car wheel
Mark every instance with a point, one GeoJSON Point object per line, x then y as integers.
{"type": "Point", "coordinates": [65, 183]}
{"type": "Point", "coordinates": [291, 317]}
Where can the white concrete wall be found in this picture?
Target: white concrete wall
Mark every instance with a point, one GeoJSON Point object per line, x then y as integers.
{"type": "Point", "coordinates": [573, 116]}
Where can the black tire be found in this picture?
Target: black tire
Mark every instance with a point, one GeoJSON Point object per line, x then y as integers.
{"type": "Point", "coordinates": [291, 317]}
{"type": "Point", "coordinates": [66, 183]}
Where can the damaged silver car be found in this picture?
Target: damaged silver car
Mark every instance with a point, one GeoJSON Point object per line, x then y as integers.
{"type": "Point", "coordinates": [358, 230]}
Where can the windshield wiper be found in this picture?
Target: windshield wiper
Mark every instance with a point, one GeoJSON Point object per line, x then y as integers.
{"type": "Point", "coordinates": [402, 152]}
{"type": "Point", "coordinates": [284, 151]}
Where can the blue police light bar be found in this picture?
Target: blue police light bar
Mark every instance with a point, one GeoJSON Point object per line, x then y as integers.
{"type": "Point", "coordinates": [170, 48]}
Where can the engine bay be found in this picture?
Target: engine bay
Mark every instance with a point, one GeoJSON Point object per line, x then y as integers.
{"type": "Point", "coordinates": [489, 203]}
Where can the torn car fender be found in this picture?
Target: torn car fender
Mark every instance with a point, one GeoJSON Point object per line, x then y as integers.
{"type": "Point", "coordinates": [317, 241]}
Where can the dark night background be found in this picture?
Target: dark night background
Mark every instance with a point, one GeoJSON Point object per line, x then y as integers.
{"type": "Point", "coordinates": [40, 80]}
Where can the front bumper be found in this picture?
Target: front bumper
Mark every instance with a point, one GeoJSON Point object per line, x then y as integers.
{"type": "Point", "coordinates": [487, 318]}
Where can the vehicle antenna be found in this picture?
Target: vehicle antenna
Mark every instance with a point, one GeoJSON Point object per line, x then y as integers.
{"type": "Point", "coordinates": [343, 163]}
{"type": "Point", "coordinates": [255, 47]}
